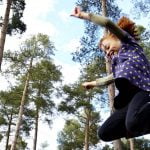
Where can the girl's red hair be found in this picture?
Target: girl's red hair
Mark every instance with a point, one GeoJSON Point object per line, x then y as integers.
{"type": "Point", "coordinates": [127, 25]}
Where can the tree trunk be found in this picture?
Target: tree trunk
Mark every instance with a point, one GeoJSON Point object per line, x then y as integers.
{"type": "Point", "coordinates": [111, 93]}
{"type": "Point", "coordinates": [36, 128]}
{"type": "Point", "coordinates": [87, 129]}
{"type": "Point", "coordinates": [8, 132]}
{"type": "Point", "coordinates": [117, 145]}
{"type": "Point", "coordinates": [111, 88]}
{"type": "Point", "coordinates": [36, 123]}
{"type": "Point", "coordinates": [13, 146]}
{"type": "Point", "coordinates": [131, 141]}
{"type": "Point", "coordinates": [4, 29]}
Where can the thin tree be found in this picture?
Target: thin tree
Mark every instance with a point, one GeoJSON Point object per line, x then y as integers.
{"type": "Point", "coordinates": [131, 141]}
{"type": "Point", "coordinates": [73, 134]}
{"type": "Point", "coordinates": [4, 29]}
{"type": "Point", "coordinates": [10, 102]}
{"type": "Point", "coordinates": [13, 146]}
{"type": "Point", "coordinates": [44, 76]}
{"type": "Point", "coordinates": [16, 24]}
{"type": "Point", "coordinates": [8, 131]}
{"type": "Point", "coordinates": [111, 87]}
{"type": "Point", "coordinates": [77, 100]}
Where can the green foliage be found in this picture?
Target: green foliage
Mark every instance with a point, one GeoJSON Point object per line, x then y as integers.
{"type": "Point", "coordinates": [12, 97]}
{"type": "Point", "coordinates": [10, 102]}
{"type": "Point", "coordinates": [2, 120]}
{"type": "Point", "coordinates": [72, 136]}
{"type": "Point", "coordinates": [16, 25]}
{"type": "Point", "coordinates": [43, 77]}
{"type": "Point", "coordinates": [44, 145]}
{"type": "Point", "coordinates": [144, 40]}
{"type": "Point", "coordinates": [38, 47]}
{"type": "Point", "coordinates": [47, 72]}
{"type": "Point", "coordinates": [107, 147]}
{"type": "Point", "coordinates": [76, 96]}
{"type": "Point", "coordinates": [44, 74]}
{"type": "Point", "coordinates": [139, 144]}
{"type": "Point", "coordinates": [93, 70]}
{"type": "Point", "coordinates": [141, 8]}
{"type": "Point", "coordinates": [21, 144]}
{"type": "Point", "coordinates": [1, 137]}
{"type": "Point", "coordinates": [144, 33]}
{"type": "Point", "coordinates": [77, 100]}
{"type": "Point", "coordinates": [147, 49]}
{"type": "Point", "coordinates": [142, 144]}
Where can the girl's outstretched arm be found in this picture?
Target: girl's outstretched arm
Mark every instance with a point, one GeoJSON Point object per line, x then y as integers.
{"type": "Point", "coordinates": [99, 82]}
{"type": "Point", "coordinates": [105, 80]}
{"type": "Point", "coordinates": [100, 20]}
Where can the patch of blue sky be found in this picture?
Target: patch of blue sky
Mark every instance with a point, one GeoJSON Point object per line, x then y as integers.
{"type": "Point", "coordinates": [69, 29]}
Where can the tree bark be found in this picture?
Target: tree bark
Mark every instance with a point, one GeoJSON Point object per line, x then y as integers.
{"type": "Point", "coordinates": [4, 29]}
{"type": "Point", "coordinates": [8, 132]}
{"type": "Point", "coordinates": [111, 88]}
{"type": "Point", "coordinates": [36, 128]}
{"type": "Point", "coordinates": [117, 145]}
{"type": "Point", "coordinates": [87, 129]}
{"type": "Point", "coordinates": [36, 123]}
{"type": "Point", "coordinates": [131, 141]}
{"type": "Point", "coordinates": [13, 146]}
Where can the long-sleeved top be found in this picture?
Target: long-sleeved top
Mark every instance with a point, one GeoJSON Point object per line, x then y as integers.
{"type": "Point", "coordinates": [105, 80]}
{"type": "Point", "coordinates": [130, 63]}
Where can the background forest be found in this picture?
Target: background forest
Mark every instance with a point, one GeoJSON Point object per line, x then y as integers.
{"type": "Point", "coordinates": [45, 55]}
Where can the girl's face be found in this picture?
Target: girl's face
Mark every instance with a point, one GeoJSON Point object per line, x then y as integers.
{"type": "Point", "coordinates": [110, 46]}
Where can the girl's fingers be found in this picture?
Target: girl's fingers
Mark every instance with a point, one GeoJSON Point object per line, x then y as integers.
{"type": "Point", "coordinates": [76, 12]}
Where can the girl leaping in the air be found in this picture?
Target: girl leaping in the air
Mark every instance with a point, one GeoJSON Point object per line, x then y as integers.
{"type": "Point", "coordinates": [131, 74]}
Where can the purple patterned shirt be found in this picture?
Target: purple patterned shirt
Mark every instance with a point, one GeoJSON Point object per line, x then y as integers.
{"type": "Point", "coordinates": [130, 63]}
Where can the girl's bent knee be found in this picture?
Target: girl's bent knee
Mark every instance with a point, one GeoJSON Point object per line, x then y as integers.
{"type": "Point", "coordinates": [103, 135]}
{"type": "Point", "coordinates": [132, 127]}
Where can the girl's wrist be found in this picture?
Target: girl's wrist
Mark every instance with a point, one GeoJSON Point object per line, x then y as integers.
{"type": "Point", "coordinates": [94, 83]}
{"type": "Point", "coordinates": [84, 15]}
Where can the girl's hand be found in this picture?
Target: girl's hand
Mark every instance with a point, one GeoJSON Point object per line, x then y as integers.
{"type": "Point", "coordinates": [76, 12]}
{"type": "Point", "coordinates": [89, 85]}
{"type": "Point", "coordinates": [80, 14]}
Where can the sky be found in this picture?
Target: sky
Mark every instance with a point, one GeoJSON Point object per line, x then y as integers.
{"type": "Point", "coordinates": [51, 17]}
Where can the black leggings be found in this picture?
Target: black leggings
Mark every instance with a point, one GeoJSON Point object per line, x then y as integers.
{"type": "Point", "coordinates": [130, 121]}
